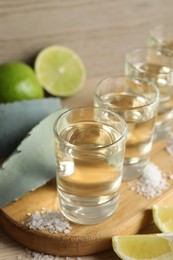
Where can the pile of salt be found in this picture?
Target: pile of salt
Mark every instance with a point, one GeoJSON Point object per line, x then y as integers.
{"type": "Point", "coordinates": [151, 184]}
{"type": "Point", "coordinates": [40, 256]}
{"type": "Point", "coordinates": [51, 220]}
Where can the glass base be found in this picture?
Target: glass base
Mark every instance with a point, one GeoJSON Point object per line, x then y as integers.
{"type": "Point", "coordinates": [161, 132]}
{"type": "Point", "coordinates": [79, 211]}
{"type": "Point", "coordinates": [134, 171]}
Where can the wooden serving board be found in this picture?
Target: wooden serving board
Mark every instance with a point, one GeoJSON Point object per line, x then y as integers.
{"type": "Point", "coordinates": [132, 215]}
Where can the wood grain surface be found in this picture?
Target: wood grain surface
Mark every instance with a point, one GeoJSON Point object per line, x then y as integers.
{"type": "Point", "coordinates": [133, 215]}
{"type": "Point", "coordinates": [100, 31]}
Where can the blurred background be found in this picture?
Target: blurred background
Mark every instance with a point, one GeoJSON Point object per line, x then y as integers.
{"type": "Point", "coordinates": [100, 31]}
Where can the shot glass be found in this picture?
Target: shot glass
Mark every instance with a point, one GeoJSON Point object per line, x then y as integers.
{"type": "Point", "coordinates": [155, 66]}
{"type": "Point", "coordinates": [161, 37]}
{"type": "Point", "coordinates": [135, 100]}
{"type": "Point", "coordinates": [89, 146]}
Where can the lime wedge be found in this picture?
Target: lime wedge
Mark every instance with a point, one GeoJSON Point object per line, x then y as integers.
{"type": "Point", "coordinates": [60, 71]}
{"type": "Point", "coordinates": [163, 218]}
{"type": "Point", "coordinates": [144, 247]}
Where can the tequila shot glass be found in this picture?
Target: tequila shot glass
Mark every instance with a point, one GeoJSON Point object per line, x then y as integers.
{"type": "Point", "coordinates": [137, 102]}
{"type": "Point", "coordinates": [155, 66]}
{"type": "Point", "coordinates": [161, 37]}
{"type": "Point", "coordinates": [89, 147]}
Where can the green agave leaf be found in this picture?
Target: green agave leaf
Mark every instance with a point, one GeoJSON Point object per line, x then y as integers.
{"type": "Point", "coordinates": [18, 118]}
{"type": "Point", "coordinates": [33, 163]}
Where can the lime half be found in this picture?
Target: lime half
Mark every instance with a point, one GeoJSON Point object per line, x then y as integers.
{"type": "Point", "coordinates": [60, 71]}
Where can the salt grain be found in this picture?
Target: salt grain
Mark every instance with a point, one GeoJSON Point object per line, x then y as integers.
{"type": "Point", "coordinates": [50, 220]}
{"type": "Point", "coordinates": [151, 184]}
{"type": "Point", "coordinates": [40, 256]}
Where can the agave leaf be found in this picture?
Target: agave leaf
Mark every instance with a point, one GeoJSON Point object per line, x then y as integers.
{"type": "Point", "coordinates": [18, 118]}
{"type": "Point", "coordinates": [32, 164]}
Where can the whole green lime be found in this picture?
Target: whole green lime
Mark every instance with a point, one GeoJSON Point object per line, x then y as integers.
{"type": "Point", "coordinates": [18, 82]}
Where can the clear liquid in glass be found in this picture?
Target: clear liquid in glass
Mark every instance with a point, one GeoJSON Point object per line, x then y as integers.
{"type": "Point", "coordinates": [89, 172]}
{"type": "Point", "coordinates": [140, 119]}
{"type": "Point", "coordinates": [161, 76]}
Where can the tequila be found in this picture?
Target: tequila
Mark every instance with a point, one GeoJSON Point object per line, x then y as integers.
{"type": "Point", "coordinates": [161, 76]}
{"type": "Point", "coordinates": [154, 65]}
{"type": "Point", "coordinates": [136, 101]}
{"type": "Point", "coordinates": [90, 153]}
{"type": "Point", "coordinates": [95, 175]}
{"type": "Point", "coordinates": [140, 123]}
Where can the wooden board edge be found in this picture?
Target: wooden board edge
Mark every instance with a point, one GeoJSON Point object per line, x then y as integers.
{"type": "Point", "coordinates": [61, 245]}
{"type": "Point", "coordinates": [58, 244]}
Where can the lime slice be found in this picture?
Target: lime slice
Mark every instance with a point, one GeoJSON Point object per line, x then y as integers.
{"type": "Point", "coordinates": [60, 71]}
{"type": "Point", "coordinates": [18, 82]}
{"type": "Point", "coordinates": [136, 247]}
{"type": "Point", "coordinates": [163, 218]}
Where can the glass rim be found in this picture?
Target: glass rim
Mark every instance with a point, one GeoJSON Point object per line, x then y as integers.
{"type": "Point", "coordinates": [128, 58]}
{"type": "Point", "coordinates": [166, 27]}
{"type": "Point", "coordinates": [78, 147]}
{"type": "Point", "coordinates": [99, 85]}
{"type": "Point", "coordinates": [153, 48]}
{"type": "Point", "coordinates": [153, 31]}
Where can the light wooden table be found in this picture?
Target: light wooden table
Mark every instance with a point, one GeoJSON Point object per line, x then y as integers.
{"type": "Point", "coordinates": [100, 31]}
